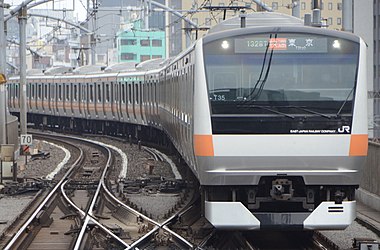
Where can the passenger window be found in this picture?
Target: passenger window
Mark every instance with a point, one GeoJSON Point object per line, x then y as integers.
{"type": "Point", "coordinates": [52, 92]}
{"type": "Point", "coordinates": [123, 93]}
{"type": "Point", "coordinates": [45, 92]}
{"type": "Point", "coordinates": [129, 93]}
{"type": "Point", "coordinates": [91, 93]}
{"type": "Point", "coordinates": [60, 92]}
{"type": "Point", "coordinates": [39, 91]}
{"type": "Point", "coordinates": [99, 93]}
{"type": "Point", "coordinates": [137, 93]}
{"type": "Point", "coordinates": [107, 92]}
{"type": "Point", "coordinates": [67, 92]}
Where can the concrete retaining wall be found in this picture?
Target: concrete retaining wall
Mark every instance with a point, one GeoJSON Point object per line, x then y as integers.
{"type": "Point", "coordinates": [369, 191]}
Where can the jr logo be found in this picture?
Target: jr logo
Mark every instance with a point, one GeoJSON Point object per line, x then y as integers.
{"type": "Point", "coordinates": [344, 129]}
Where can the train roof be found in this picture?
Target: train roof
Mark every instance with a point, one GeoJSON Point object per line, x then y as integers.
{"type": "Point", "coordinates": [258, 19]}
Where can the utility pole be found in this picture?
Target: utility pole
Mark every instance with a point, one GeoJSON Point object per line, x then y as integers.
{"type": "Point", "coordinates": [347, 15]}
{"type": "Point", "coordinates": [146, 4]}
{"type": "Point", "coordinates": [296, 8]}
{"type": "Point", "coordinates": [93, 35]}
{"type": "Point", "coordinates": [3, 111]}
{"type": "Point", "coordinates": [22, 18]}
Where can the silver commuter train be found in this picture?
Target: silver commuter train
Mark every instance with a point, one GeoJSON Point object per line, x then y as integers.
{"type": "Point", "coordinates": [271, 118]}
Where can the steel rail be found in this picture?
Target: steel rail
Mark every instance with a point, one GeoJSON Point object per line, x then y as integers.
{"type": "Point", "coordinates": [17, 236]}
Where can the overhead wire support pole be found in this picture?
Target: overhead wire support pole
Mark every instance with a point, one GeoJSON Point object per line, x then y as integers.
{"type": "Point", "coordinates": [3, 111]}
{"type": "Point", "coordinates": [22, 18]}
{"type": "Point", "coordinates": [93, 35]}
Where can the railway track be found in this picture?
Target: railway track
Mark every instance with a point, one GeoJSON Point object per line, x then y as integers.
{"type": "Point", "coordinates": [84, 211]}
{"type": "Point", "coordinates": [81, 212]}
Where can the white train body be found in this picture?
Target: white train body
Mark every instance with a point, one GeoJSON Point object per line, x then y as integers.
{"type": "Point", "coordinates": [272, 120]}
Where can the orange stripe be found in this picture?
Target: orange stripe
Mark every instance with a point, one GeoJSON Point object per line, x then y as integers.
{"type": "Point", "coordinates": [203, 145]}
{"type": "Point", "coordinates": [359, 145]}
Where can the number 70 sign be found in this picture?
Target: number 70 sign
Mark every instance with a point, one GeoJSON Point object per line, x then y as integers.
{"type": "Point", "coordinates": [26, 140]}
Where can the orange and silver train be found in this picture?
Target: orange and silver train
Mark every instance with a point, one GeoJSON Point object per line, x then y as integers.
{"type": "Point", "coordinates": [271, 118]}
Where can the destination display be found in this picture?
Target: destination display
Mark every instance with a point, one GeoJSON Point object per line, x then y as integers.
{"type": "Point", "coordinates": [282, 45]}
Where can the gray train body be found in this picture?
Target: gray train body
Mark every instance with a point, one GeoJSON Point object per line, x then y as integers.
{"type": "Point", "coordinates": [271, 119]}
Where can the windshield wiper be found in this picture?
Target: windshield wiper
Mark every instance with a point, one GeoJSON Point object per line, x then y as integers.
{"type": "Point", "coordinates": [307, 110]}
{"type": "Point", "coordinates": [261, 82]}
{"type": "Point", "coordinates": [345, 101]}
{"type": "Point", "coordinates": [268, 108]}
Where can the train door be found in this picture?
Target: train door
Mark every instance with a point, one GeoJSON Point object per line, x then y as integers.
{"type": "Point", "coordinates": [123, 105]}
{"type": "Point", "coordinates": [53, 97]}
{"type": "Point", "coordinates": [107, 86]}
{"type": "Point", "coordinates": [82, 99]}
{"type": "Point", "coordinates": [116, 99]}
{"type": "Point", "coordinates": [45, 96]}
{"type": "Point", "coordinates": [33, 103]}
{"type": "Point", "coordinates": [133, 98]}
{"type": "Point", "coordinates": [141, 99]}
{"type": "Point", "coordinates": [99, 104]}
{"type": "Point", "coordinates": [48, 98]}
{"type": "Point", "coordinates": [76, 98]}
{"type": "Point", "coordinates": [60, 93]}
{"type": "Point", "coordinates": [91, 99]}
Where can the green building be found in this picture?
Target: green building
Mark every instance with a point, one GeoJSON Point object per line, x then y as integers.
{"type": "Point", "coordinates": [138, 45]}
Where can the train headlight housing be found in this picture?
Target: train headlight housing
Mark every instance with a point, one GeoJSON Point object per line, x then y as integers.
{"type": "Point", "coordinates": [225, 44]}
{"type": "Point", "coordinates": [336, 44]}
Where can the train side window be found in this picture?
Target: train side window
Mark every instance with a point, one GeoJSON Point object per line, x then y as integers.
{"type": "Point", "coordinates": [99, 93]}
{"type": "Point", "coordinates": [107, 92]}
{"type": "Point", "coordinates": [137, 93]}
{"type": "Point", "coordinates": [83, 94]}
{"type": "Point", "coordinates": [129, 93]}
{"type": "Point", "coordinates": [91, 93]}
{"type": "Point", "coordinates": [52, 92]}
{"type": "Point", "coordinates": [60, 92]}
{"type": "Point", "coordinates": [67, 92]}
{"type": "Point", "coordinates": [33, 91]}
{"type": "Point", "coordinates": [116, 90]}
{"type": "Point", "coordinates": [16, 90]}
{"type": "Point", "coordinates": [123, 93]}
{"type": "Point", "coordinates": [45, 92]}
{"type": "Point", "coordinates": [39, 95]}
{"type": "Point", "coordinates": [75, 93]}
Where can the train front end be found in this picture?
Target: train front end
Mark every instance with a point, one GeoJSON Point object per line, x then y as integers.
{"type": "Point", "coordinates": [280, 127]}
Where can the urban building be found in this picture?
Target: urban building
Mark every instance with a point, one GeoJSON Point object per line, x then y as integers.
{"type": "Point", "coordinates": [212, 12]}
{"type": "Point", "coordinates": [137, 45]}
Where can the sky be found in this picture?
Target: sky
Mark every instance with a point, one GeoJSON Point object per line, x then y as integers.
{"type": "Point", "coordinates": [77, 5]}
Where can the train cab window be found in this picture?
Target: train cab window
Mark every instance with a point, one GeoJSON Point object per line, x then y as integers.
{"type": "Point", "coordinates": [278, 75]}
{"type": "Point", "coordinates": [99, 93]}
{"type": "Point", "coordinates": [107, 93]}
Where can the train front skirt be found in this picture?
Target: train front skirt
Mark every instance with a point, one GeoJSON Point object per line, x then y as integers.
{"type": "Point", "coordinates": [234, 215]}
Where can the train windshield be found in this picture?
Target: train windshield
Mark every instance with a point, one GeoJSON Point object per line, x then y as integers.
{"type": "Point", "coordinates": [282, 74]}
